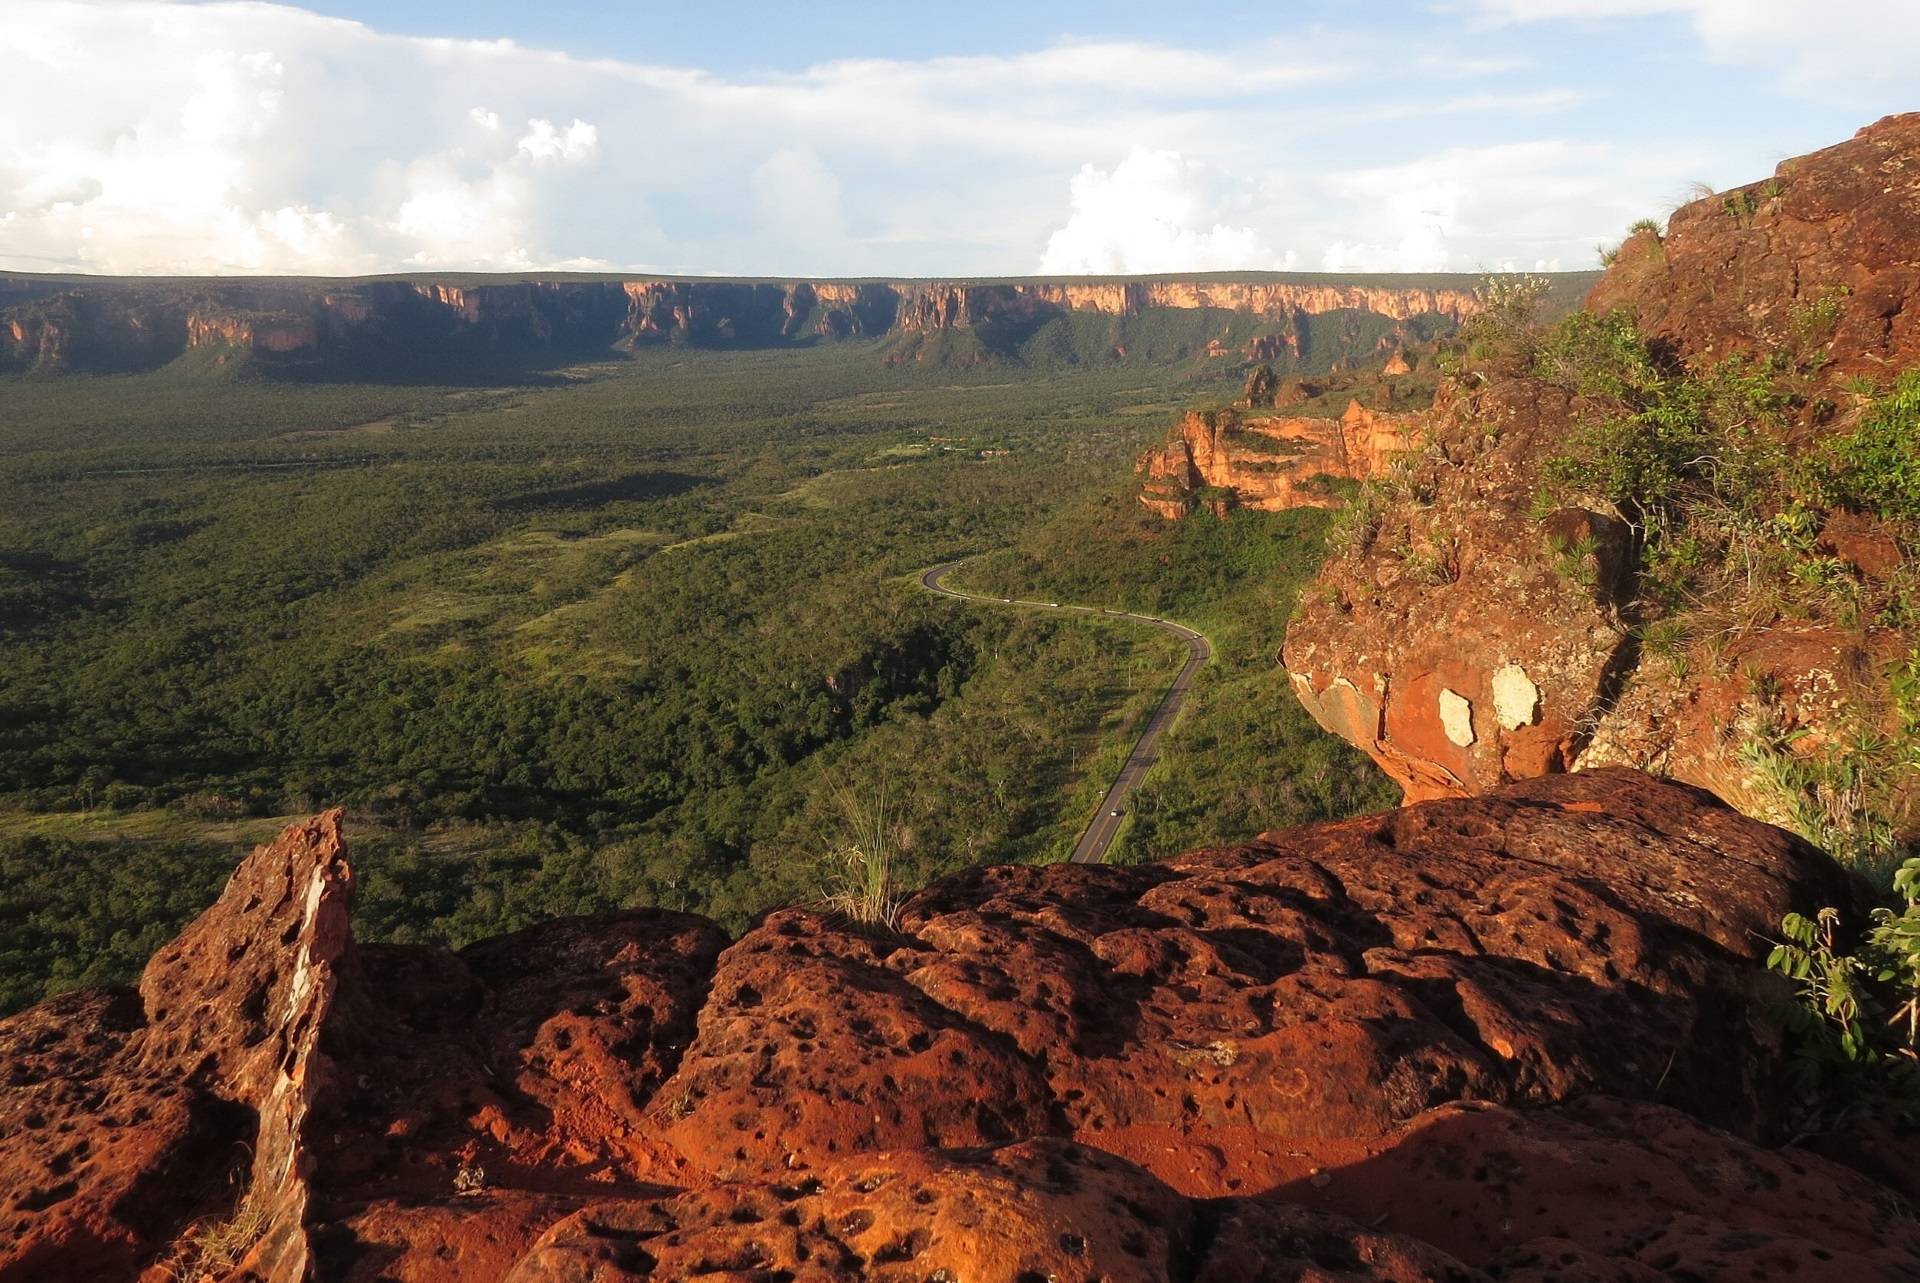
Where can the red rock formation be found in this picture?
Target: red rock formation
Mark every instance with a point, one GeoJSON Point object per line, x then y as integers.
{"type": "Point", "coordinates": [1511, 1037]}
{"type": "Point", "coordinates": [1268, 462]}
{"type": "Point", "coordinates": [1463, 641]}
{"type": "Point", "coordinates": [1736, 271]}
{"type": "Point", "coordinates": [119, 1116]}
{"type": "Point", "coordinates": [252, 333]}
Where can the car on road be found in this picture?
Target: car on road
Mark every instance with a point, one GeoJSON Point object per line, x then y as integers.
{"type": "Point", "coordinates": [1114, 812]}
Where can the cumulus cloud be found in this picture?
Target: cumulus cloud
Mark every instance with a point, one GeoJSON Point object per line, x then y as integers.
{"type": "Point", "coordinates": [574, 145]}
{"type": "Point", "coordinates": [1424, 215]}
{"type": "Point", "coordinates": [254, 138]}
{"type": "Point", "coordinates": [237, 136]}
{"type": "Point", "coordinates": [1540, 204]}
{"type": "Point", "coordinates": [1155, 211]}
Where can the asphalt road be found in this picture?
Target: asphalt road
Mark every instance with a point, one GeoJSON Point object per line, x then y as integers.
{"type": "Point", "coordinates": [1093, 844]}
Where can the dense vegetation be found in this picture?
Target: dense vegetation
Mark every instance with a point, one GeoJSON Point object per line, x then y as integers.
{"type": "Point", "coordinates": [636, 632]}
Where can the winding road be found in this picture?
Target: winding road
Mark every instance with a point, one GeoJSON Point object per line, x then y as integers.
{"type": "Point", "coordinates": [1093, 844]}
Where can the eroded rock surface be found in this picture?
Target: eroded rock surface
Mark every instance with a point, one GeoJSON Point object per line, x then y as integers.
{"type": "Point", "coordinates": [1512, 1037]}
{"type": "Point", "coordinates": [1225, 459]}
{"type": "Point", "coordinates": [1736, 271]}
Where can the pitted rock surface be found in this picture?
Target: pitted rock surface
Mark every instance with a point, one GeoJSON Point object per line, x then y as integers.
{"type": "Point", "coordinates": [1513, 1037]}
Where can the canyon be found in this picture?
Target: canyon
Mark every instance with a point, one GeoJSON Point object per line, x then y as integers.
{"type": "Point", "coordinates": [1522, 1028]}
{"type": "Point", "coordinates": [54, 324]}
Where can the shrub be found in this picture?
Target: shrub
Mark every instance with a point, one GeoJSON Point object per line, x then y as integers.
{"type": "Point", "coordinates": [215, 1248]}
{"type": "Point", "coordinates": [1507, 325]}
{"type": "Point", "coordinates": [1855, 1024]}
{"type": "Point", "coordinates": [1876, 467]}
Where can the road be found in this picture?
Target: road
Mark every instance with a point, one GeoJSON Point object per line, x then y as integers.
{"type": "Point", "coordinates": [1093, 844]}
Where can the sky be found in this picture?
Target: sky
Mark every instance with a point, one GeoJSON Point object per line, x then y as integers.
{"type": "Point", "coordinates": [863, 139]}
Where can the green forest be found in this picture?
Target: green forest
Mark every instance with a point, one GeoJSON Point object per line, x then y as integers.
{"type": "Point", "coordinates": [630, 632]}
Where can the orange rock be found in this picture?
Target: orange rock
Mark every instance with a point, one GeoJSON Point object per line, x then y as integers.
{"type": "Point", "coordinates": [1268, 462]}
{"type": "Point", "coordinates": [1835, 229]}
{"type": "Point", "coordinates": [1476, 1038]}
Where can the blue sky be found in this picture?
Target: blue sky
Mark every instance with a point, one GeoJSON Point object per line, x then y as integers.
{"type": "Point", "coordinates": [889, 139]}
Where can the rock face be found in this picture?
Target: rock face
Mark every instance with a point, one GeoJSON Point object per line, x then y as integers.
{"type": "Point", "coordinates": [1463, 639]}
{"type": "Point", "coordinates": [121, 1115]}
{"type": "Point", "coordinates": [1512, 1037]}
{"type": "Point", "coordinates": [1225, 459]}
{"type": "Point", "coordinates": [1839, 226]}
{"type": "Point", "coordinates": [52, 324]}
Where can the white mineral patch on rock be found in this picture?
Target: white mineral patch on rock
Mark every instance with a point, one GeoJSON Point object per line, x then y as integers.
{"type": "Point", "coordinates": [1456, 717]}
{"type": "Point", "coordinates": [1516, 700]}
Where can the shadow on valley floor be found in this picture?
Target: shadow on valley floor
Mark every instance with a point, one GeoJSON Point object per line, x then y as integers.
{"type": "Point", "coordinates": [592, 494]}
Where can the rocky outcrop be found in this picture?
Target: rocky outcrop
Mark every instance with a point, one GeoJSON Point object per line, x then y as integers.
{"type": "Point", "coordinates": [1224, 459]}
{"type": "Point", "coordinates": [1739, 272]}
{"type": "Point", "coordinates": [121, 1115]}
{"type": "Point", "coordinates": [54, 324]}
{"type": "Point", "coordinates": [1513, 1037]}
{"type": "Point", "coordinates": [1464, 638]}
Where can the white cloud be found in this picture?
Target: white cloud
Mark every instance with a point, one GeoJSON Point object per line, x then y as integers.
{"type": "Point", "coordinates": [1424, 215]}
{"type": "Point", "coordinates": [233, 135]}
{"type": "Point", "coordinates": [798, 201]}
{"type": "Point", "coordinates": [1153, 212]}
{"type": "Point", "coordinates": [1475, 208]}
{"type": "Point", "coordinates": [574, 145]}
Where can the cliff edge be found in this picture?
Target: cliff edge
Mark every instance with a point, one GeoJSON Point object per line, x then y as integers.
{"type": "Point", "coordinates": [1514, 1037]}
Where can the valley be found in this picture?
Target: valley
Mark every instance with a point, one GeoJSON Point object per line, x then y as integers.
{"type": "Point", "coordinates": [633, 630]}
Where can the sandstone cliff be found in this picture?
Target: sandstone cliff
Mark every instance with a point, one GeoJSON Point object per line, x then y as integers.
{"type": "Point", "coordinates": [1514, 1037]}
{"type": "Point", "coordinates": [1225, 459]}
{"type": "Point", "coordinates": [53, 324]}
{"type": "Point", "coordinates": [1468, 633]}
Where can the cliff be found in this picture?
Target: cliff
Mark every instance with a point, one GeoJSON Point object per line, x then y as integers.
{"type": "Point", "coordinates": [1515, 1037]}
{"type": "Point", "coordinates": [1661, 535]}
{"type": "Point", "coordinates": [1232, 459]}
{"type": "Point", "coordinates": [57, 324]}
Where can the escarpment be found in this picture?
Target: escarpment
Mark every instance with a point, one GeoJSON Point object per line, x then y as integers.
{"type": "Point", "coordinates": [1511, 1037]}
{"type": "Point", "coordinates": [1669, 534]}
{"type": "Point", "coordinates": [54, 324]}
